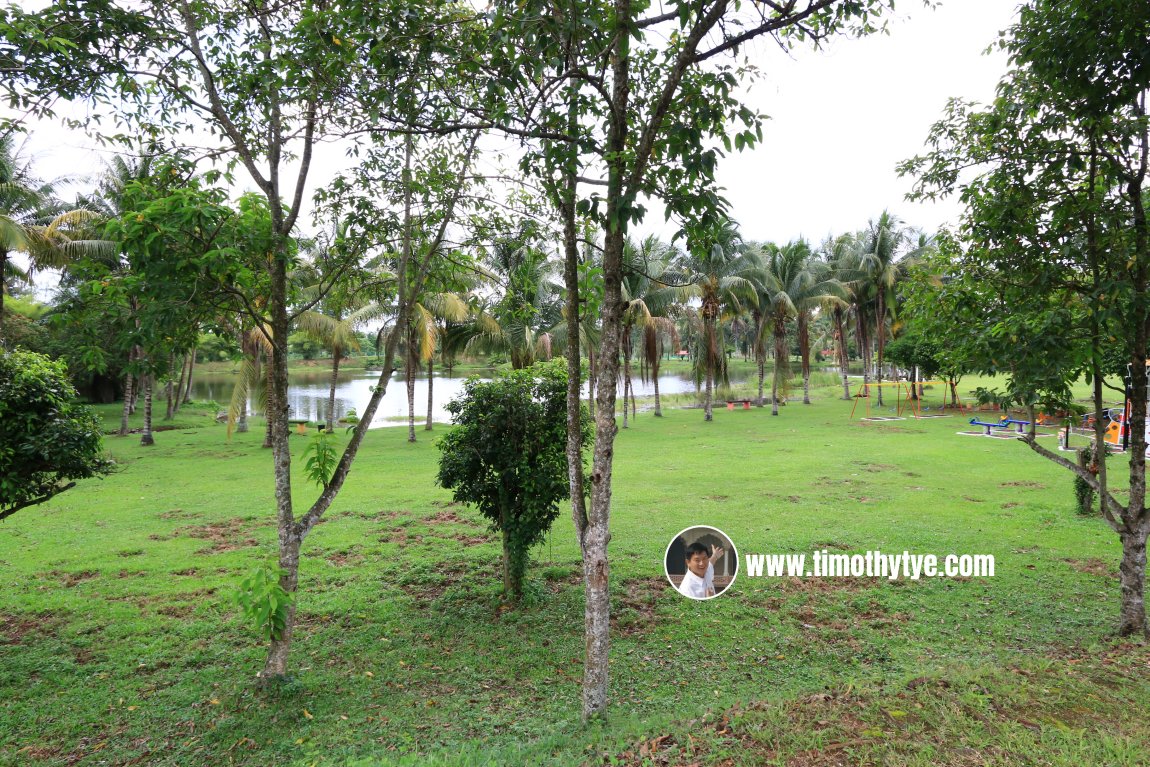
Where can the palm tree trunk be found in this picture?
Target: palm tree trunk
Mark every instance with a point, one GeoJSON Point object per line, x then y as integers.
{"type": "Point", "coordinates": [626, 371]}
{"type": "Point", "coordinates": [864, 349]}
{"type": "Point", "coordinates": [762, 374]}
{"type": "Point", "coordinates": [655, 379]}
{"type": "Point", "coordinates": [880, 331]}
{"type": "Point", "coordinates": [336, 353]}
{"type": "Point", "coordinates": [709, 368]}
{"type": "Point", "coordinates": [409, 376]}
{"type": "Point", "coordinates": [844, 360]}
{"type": "Point", "coordinates": [129, 394]}
{"type": "Point", "coordinates": [169, 389]}
{"type": "Point", "coordinates": [430, 399]}
{"type": "Point", "coordinates": [273, 404]}
{"type": "Point", "coordinates": [781, 361]}
{"type": "Point", "coordinates": [146, 437]}
{"type": "Point", "coordinates": [805, 355]}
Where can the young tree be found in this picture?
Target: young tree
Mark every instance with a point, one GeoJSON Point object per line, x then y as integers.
{"type": "Point", "coordinates": [507, 456]}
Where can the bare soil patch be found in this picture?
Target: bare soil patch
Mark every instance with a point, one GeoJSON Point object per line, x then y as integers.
{"type": "Point", "coordinates": [1094, 566]}
{"type": "Point", "coordinates": [226, 535]}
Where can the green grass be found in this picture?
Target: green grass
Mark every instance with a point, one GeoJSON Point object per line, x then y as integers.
{"type": "Point", "coordinates": [120, 643]}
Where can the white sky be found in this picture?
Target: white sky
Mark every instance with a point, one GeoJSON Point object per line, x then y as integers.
{"type": "Point", "coordinates": [841, 119]}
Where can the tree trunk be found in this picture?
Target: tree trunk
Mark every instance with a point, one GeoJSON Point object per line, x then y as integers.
{"type": "Point", "coordinates": [129, 394]}
{"type": "Point", "coordinates": [762, 375]}
{"type": "Point", "coordinates": [169, 389]}
{"type": "Point", "coordinates": [187, 396]}
{"type": "Point", "coordinates": [336, 353]}
{"type": "Point", "coordinates": [844, 359]}
{"type": "Point", "coordinates": [430, 399]}
{"type": "Point", "coordinates": [146, 437]}
{"type": "Point", "coordinates": [655, 380]}
{"type": "Point", "coordinates": [708, 363]}
{"type": "Point", "coordinates": [880, 337]}
{"type": "Point", "coordinates": [805, 356]}
{"type": "Point", "coordinates": [1132, 577]}
{"type": "Point", "coordinates": [626, 371]}
{"type": "Point", "coordinates": [179, 390]}
{"type": "Point", "coordinates": [781, 362]}
{"type": "Point", "coordinates": [273, 404]}
{"type": "Point", "coordinates": [409, 379]}
{"type": "Point", "coordinates": [290, 536]}
{"type": "Point", "coordinates": [592, 378]}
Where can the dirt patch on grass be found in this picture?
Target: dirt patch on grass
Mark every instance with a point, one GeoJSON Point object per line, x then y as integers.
{"type": "Point", "coordinates": [345, 557]}
{"type": "Point", "coordinates": [70, 579]}
{"type": "Point", "coordinates": [14, 627]}
{"type": "Point", "coordinates": [449, 517]}
{"type": "Point", "coordinates": [636, 613]}
{"type": "Point", "coordinates": [226, 535]}
{"type": "Point", "coordinates": [180, 514]}
{"type": "Point", "coordinates": [1024, 483]}
{"type": "Point", "coordinates": [875, 467]}
{"type": "Point", "coordinates": [824, 585]}
{"type": "Point", "coordinates": [1094, 566]}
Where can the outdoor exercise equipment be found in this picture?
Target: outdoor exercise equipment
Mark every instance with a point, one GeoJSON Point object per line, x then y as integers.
{"type": "Point", "coordinates": [988, 425]}
{"type": "Point", "coordinates": [904, 397]}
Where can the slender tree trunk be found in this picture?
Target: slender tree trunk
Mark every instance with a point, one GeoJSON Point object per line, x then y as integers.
{"type": "Point", "coordinates": [805, 356]}
{"type": "Point", "coordinates": [708, 364]}
{"type": "Point", "coordinates": [146, 437]}
{"type": "Point", "coordinates": [626, 372]}
{"type": "Point", "coordinates": [781, 362]}
{"type": "Point", "coordinates": [655, 378]}
{"type": "Point", "coordinates": [179, 390]}
{"type": "Point", "coordinates": [430, 398]}
{"type": "Point", "coordinates": [187, 396]}
{"type": "Point", "coordinates": [169, 389]}
{"type": "Point", "coordinates": [129, 394]}
{"type": "Point", "coordinates": [880, 337]}
{"type": "Point", "coordinates": [409, 378]}
{"type": "Point", "coordinates": [864, 349]}
{"type": "Point", "coordinates": [844, 360]}
{"type": "Point", "coordinates": [272, 397]}
{"type": "Point", "coordinates": [592, 379]}
{"type": "Point", "coordinates": [336, 353]}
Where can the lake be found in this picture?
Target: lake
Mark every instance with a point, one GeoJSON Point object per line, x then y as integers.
{"type": "Point", "coordinates": [307, 392]}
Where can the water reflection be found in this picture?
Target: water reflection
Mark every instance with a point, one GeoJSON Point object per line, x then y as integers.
{"type": "Point", "coordinates": [308, 393]}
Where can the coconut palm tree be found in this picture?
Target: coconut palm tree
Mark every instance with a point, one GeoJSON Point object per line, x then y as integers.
{"type": "Point", "coordinates": [645, 297]}
{"type": "Point", "coordinates": [795, 284]}
{"type": "Point", "coordinates": [33, 222]}
{"type": "Point", "coordinates": [720, 273]}
{"type": "Point", "coordinates": [841, 256]}
{"type": "Point", "coordinates": [880, 247]}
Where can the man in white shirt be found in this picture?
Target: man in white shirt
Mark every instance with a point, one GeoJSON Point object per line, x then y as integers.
{"type": "Point", "coordinates": [699, 580]}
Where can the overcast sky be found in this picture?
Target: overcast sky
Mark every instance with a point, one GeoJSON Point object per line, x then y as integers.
{"type": "Point", "coordinates": [841, 119]}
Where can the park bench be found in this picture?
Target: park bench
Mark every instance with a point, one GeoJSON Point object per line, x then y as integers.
{"type": "Point", "coordinates": [732, 402]}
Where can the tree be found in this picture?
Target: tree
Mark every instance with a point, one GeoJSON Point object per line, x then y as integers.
{"type": "Point", "coordinates": [507, 457]}
{"type": "Point", "coordinates": [722, 275]}
{"type": "Point", "coordinates": [794, 284]}
{"type": "Point", "coordinates": [49, 440]}
{"type": "Point", "coordinates": [880, 247]}
{"type": "Point", "coordinates": [1053, 255]}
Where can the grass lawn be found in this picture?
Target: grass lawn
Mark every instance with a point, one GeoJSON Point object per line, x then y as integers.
{"type": "Point", "coordinates": [120, 643]}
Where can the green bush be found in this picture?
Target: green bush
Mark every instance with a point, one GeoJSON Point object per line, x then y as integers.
{"type": "Point", "coordinates": [507, 456]}
{"type": "Point", "coordinates": [47, 439]}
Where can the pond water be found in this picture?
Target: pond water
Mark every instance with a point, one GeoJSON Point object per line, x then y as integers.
{"type": "Point", "coordinates": [308, 392]}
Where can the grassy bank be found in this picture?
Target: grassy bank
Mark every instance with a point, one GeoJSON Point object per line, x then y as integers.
{"type": "Point", "coordinates": [121, 645]}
